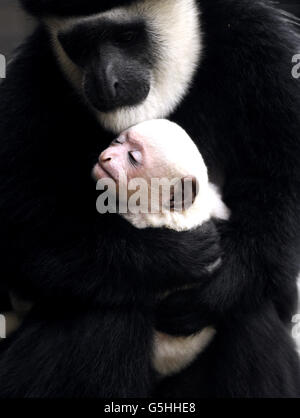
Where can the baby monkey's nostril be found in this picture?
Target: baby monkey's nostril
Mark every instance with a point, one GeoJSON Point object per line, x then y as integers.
{"type": "Point", "coordinates": [104, 158]}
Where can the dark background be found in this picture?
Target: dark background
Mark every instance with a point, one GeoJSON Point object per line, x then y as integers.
{"type": "Point", "coordinates": [14, 25]}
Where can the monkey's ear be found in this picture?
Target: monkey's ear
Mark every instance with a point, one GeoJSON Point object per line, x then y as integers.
{"type": "Point", "coordinates": [184, 193]}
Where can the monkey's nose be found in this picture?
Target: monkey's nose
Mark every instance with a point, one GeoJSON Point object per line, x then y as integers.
{"type": "Point", "coordinates": [104, 157]}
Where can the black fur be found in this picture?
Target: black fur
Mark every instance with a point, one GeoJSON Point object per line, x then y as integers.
{"type": "Point", "coordinates": [93, 278]}
{"type": "Point", "coordinates": [70, 7]}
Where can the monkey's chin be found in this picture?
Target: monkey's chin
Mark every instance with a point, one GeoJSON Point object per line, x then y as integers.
{"type": "Point", "coordinates": [100, 173]}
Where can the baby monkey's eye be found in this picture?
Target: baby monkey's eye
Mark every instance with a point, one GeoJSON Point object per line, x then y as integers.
{"type": "Point", "coordinates": [135, 158]}
{"type": "Point", "coordinates": [120, 140]}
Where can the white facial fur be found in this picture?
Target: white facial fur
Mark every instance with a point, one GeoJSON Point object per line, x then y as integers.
{"type": "Point", "coordinates": [175, 25]}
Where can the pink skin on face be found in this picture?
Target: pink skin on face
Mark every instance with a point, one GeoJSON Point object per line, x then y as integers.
{"type": "Point", "coordinates": [122, 158]}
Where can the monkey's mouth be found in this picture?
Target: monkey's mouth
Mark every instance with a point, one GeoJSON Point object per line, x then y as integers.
{"type": "Point", "coordinates": [99, 173]}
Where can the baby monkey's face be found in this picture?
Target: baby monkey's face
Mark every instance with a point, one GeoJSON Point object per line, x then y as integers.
{"type": "Point", "coordinates": [157, 152]}
{"type": "Point", "coordinates": [128, 157]}
{"type": "Point", "coordinates": [133, 156]}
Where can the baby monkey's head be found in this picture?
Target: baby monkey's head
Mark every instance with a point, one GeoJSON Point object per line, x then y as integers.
{"type": "Point", "coordinates": [158, 172]}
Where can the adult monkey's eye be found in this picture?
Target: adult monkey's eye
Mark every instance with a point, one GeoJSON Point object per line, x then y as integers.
{"type": "Point", "coordinates": [127, 37]}
{"type": "Point", "coordinates": [135, 157]}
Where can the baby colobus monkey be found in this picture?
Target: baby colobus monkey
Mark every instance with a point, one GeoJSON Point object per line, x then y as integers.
{"type": "Point", "coordinates": [159, 155]}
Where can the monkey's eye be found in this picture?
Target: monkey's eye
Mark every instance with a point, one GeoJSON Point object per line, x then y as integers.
{"type": "Point", "coordinates": [135, 158]}
{"type": "Point", "coordinates": [120, 140]}
{"type": "Point", "coordinates": [126, 37]}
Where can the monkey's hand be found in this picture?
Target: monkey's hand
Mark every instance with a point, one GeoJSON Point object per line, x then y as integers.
{"type": "Point", "coordinates": [188, 330]}
{"type": "Point", "coordinates": [184, 258]}
{"type": "Point", "coordinates": [181, 314]}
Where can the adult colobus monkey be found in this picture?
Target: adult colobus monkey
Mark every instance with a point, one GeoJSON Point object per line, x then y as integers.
{"type": "Point", "coordinates": [222, 70]}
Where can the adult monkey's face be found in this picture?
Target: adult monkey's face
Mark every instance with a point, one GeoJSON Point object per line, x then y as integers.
{"type": "Point", "coordinates": [131, 60]}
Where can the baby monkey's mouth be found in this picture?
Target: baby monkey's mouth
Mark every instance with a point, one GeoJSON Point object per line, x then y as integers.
{"type": "Point", "coordinates": [99, 172]}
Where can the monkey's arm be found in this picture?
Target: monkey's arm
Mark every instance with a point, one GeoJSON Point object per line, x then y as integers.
{"type": "Point", "coordinates": [260, 260]}
{"type": "Point", "coordinates": [117, 262]}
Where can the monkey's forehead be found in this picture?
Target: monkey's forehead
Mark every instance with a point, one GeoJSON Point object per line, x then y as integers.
{"type": "Point", "coordinates": [68, 8]}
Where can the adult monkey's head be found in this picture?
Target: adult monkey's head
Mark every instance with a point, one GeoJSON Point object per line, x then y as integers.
{"type": "Point", "coordinates": [132, 60]}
